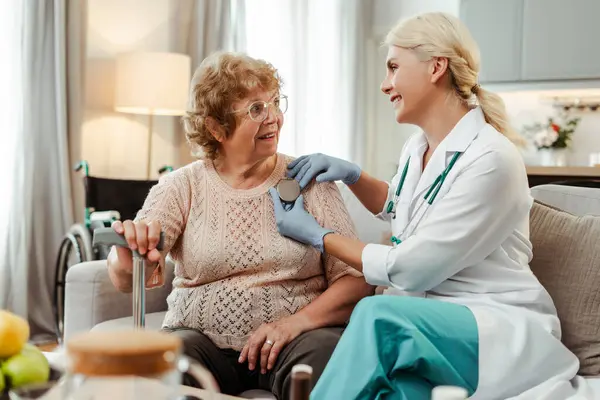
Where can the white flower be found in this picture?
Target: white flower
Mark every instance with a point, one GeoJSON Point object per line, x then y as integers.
{"type": "Point", "coordinates": [539, 139]}
{"type": "Point", "coordinates": [552, 134]}
{"type": "Point", "coordinates": [545, 138]}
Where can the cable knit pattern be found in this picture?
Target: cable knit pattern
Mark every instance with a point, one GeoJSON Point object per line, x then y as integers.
{"type": "Point", "coordinates": [234, 271]}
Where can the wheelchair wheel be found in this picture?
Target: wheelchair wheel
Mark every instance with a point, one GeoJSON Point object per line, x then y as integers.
{"type": "Point", "coordinates": [82, 233]}
{"type": "Point", "coordinates": [76, 247]}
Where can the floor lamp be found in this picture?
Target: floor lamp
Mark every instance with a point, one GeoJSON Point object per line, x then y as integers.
{"type": "Point", "coordinates": [152, 84]}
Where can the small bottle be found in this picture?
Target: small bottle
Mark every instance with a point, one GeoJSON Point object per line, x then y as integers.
{"type": "Point", "coordinates": [449, 393]}
{"type": "Point", "coordinates": [301, 382]}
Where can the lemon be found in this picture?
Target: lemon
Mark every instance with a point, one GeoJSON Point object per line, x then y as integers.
{"type": "Point", "coordinates": [14, 333]}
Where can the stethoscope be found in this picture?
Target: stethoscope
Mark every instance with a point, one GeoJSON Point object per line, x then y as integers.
{"type": "Point", "coordinates": [427, 199]}
{"type": "Point", "coordinates": [288, 190]}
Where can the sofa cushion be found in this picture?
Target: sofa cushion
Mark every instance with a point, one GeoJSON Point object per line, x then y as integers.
{"type": "Point", "coordinates": [566, 260]}
{"type": "Point", "coordinates": [153, 322]}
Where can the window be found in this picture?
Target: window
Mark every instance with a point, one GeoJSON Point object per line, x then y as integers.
{"type": "Point", "coordinates": [303, 40]}
{"type": "Point", "coordinates": [10, 111]}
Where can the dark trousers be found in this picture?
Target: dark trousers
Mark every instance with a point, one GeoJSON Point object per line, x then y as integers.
{"type": "Point", "coordinates": [313, 348]}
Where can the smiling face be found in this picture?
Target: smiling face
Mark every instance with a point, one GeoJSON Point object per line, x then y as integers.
{"type": "Point", "coordinates": [408, 84]}
{"type": "Point", "coordinates": [222, 89]}
{"type": "Point", "coordinates": [254, 140]}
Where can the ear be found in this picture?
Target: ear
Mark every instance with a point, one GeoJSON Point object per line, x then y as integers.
{"type": "Point", "coordinates": [215, 129]}
{"type": "Point", "coordinates": [438, 67]}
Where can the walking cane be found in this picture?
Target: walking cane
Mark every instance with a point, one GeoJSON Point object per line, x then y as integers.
{"type": "Point", "coordinates": [108, 237]}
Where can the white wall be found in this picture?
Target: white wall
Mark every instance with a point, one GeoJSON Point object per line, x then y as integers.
{"type": "Point", "coordinates": [526, 108]}
{"type": "Point", "coordinates": [115, 144]}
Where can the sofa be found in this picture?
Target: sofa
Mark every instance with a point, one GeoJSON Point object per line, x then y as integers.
{"type": "Point", "coordinates": [564, 232]}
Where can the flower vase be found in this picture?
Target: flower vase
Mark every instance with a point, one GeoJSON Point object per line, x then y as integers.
{"type": "Point", "coordinates": [553, 157]}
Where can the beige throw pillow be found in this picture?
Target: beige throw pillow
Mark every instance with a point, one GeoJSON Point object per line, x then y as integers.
{"type": "Point", "coordinates": [566, 260]}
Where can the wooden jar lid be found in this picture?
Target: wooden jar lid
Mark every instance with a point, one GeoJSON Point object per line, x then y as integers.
{"type": "Point", "coordinates": [135, 352]}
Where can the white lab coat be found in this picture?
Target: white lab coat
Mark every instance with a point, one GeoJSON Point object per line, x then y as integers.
{"type": "Point", "coordinates": [472, 247]}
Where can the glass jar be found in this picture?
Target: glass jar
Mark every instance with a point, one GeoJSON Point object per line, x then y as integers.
{"type": "Point", "coordinates": [134, 364]}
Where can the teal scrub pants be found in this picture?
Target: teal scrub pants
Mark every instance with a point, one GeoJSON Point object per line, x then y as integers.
{"type": "Point", "coordinates": [398, 347]}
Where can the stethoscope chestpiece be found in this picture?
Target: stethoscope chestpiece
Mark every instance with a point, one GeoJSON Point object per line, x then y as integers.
{"type": "Point", "coordinates": [288, 190]}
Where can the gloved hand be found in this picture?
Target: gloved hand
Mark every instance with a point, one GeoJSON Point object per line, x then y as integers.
{"type": "Point", "coordinates": [325, 168]}
{"type": "Point", "coordinates": [297, 223]}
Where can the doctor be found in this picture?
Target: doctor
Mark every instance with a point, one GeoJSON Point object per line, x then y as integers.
{"type": "Point", "coordinates": [471, 313]}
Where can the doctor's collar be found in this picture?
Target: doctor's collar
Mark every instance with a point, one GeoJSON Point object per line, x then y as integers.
{"type": "Point", "coordinates": [465, 131]}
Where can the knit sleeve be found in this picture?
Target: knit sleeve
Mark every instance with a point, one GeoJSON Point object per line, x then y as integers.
{"type": "Point", "coordinates": [168, 204]}
{"type": "Point", "coordinates": [327, 206]}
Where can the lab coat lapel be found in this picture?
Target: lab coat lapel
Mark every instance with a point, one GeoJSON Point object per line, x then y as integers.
{"type": "Point", "coordinates": [435, 166]}
{"type": "Point", "coordinates": [459, 138]}
{"type": "Point", "coordinates": [413, 176]}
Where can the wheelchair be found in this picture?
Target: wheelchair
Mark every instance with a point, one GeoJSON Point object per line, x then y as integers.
{"type": "Point", "coordinates": [106, 200]}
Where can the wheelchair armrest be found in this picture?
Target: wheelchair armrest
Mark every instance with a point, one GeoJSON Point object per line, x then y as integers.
{"type": "Point", "coordinates": [91, 298]}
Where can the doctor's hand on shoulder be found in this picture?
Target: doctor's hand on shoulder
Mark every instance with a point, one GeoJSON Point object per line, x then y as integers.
{"type": "Point", "coordinates": [324, 168]}
{"type": "Point", "coordinates": [296, 223]}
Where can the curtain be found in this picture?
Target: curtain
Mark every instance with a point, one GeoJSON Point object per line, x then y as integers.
{"type": "Point", "coordinates": [319, 49]}
{"type": "Point", "coordinates": [355, 30]}
{"type": "Point", "coordinates": [41, 207]}
{"type": "Point", "coordinates": [11, 118]}
{"type": "Point", "coordinates": [203, 27]}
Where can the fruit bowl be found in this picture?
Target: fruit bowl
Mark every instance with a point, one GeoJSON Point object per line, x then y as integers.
{"type": "Point", "coordinates": [21, 363]}
{"type": "Point", "coordinates": [54, 377]}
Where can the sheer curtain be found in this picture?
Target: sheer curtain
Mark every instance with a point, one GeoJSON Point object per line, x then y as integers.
{"type": "Point", "coordinates": [43, 77]}
{"type": "Point", "coordinates": [203, 27]}
{"type": "Point", "coordinates": [11, 120]}
{"type": "Point", "coordinates": [317, 47]}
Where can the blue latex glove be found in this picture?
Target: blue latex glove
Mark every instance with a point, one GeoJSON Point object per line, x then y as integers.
{"type": "Point", "coordinates": [324, 168]}
{"type": "Point", "coordinates": [296, 223]}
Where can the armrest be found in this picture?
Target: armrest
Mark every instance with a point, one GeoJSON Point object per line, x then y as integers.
{"type": "Point", "coordinates": [91, 298]}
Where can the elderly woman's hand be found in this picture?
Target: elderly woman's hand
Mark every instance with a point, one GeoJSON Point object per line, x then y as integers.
{"type": "Point", "coordinates": [265, 344]}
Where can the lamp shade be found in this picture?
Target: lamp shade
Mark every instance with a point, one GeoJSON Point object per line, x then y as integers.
{"type": "Point", "coordinates": [152, 83]}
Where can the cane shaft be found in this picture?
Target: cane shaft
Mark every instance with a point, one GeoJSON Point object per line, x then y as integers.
{"type": "Point", "coordinates": [139, 293]}
{"type": "Point", "coordinates": [108, 237]}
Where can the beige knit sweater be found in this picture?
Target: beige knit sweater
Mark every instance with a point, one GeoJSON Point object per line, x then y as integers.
{"type": "Point", "coordinates": [234, 271]}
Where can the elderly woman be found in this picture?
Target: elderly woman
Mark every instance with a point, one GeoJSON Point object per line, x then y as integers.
{"type": "Point", "coordinates": [248, 303]}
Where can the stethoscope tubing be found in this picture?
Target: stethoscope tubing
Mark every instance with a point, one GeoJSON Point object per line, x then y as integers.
{"type": "Point", "coordinates": [428, 199]}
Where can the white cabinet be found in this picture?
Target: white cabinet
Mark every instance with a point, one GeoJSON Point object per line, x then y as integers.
{"type": "Point", "coordinates": [535, 40]}
{"type": "Point", "coordinates": [560, 39]}
{"type": "Point", "coordinates": [496, 26]}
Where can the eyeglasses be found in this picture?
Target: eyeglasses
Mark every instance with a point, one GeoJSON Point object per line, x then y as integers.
{"type": "Point", "coordinates": [259, 110]}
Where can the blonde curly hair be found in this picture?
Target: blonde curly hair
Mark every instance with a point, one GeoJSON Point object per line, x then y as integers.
{"type": "Point", "coordinates": [222, 79]}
